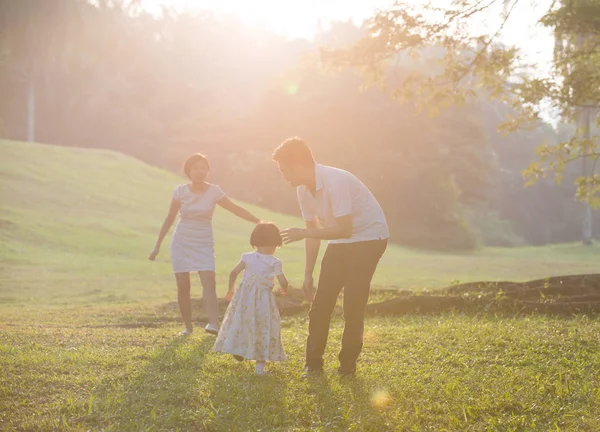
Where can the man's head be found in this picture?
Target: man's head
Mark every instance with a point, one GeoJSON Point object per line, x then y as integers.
{"type": "Point", "coordinates": [295, 161]}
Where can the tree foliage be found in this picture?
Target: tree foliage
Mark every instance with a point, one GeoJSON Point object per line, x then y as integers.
{"type": "Point", "coordinates": [160, 88]}
{"type": "Point", "coordinates": [470, 62]}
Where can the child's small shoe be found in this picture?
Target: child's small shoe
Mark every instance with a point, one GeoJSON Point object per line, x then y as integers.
{"type": "Point", "coordinates": [262, 373]}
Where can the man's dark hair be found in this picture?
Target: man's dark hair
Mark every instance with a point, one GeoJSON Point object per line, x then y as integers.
{"type": "Point", "coordinates": [293, 151]}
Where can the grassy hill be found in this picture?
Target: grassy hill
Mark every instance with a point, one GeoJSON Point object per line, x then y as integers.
{"type": "Point", "coordinates": [76, 226]}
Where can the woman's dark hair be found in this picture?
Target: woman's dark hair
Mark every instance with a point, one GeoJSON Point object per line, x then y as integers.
{"type": "Point", "coordinates": [265, 234]}
{"type": "Point", "coordinates": [192, 160]}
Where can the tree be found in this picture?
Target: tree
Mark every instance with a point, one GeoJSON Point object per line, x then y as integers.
{"type": "Point", "coordinates": [159, 88]}
{"type": "Point", "coordinates": [33, 34]}
{"type": "Point", "coordinates": [472, 62]}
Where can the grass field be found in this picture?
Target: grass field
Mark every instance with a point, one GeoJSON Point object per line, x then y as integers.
{"type": "Point", "coordinates": [417, 374]}
{"type": "Point", "coordinates": [76, 226]}
{"type": "Point", "coordinates": [75, 229]}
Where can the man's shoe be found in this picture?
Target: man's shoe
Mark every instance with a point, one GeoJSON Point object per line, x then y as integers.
{"type": "Point", "coordinates": [345, 373]}
{"type": "Point", "coordinates": [311, 372]}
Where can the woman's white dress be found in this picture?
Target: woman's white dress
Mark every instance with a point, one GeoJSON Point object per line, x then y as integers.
{"type": "Point", "coordinates": [192, 244]}
{"type": "Point", "coordinates": [252, 325]}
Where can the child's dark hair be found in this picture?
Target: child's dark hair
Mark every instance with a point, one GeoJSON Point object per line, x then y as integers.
{"type": "Point", "coordinates": [265, 234]}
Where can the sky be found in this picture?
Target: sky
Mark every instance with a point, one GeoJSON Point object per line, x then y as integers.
{"type": "Point", "coordinates": [301, 18]}
{"type": "Point", "coordinates": [292, 18]}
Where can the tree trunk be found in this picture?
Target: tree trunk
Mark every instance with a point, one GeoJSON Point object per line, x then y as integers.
{"type": "Point", "coordinates": [31, 109]}
{"type": "Point", "coordinates": [585, 118]}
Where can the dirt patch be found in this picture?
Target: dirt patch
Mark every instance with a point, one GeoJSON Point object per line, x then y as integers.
{"type": "Point", "coordinates": [557, 285]}
{"type": "Point", "coordinates": [291, 304]}
{"type": "Point", "coordinates": [560, 295]}
{"type": "Point", "coordinates": [133, 325]}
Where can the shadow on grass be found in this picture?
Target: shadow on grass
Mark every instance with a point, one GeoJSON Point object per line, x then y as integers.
{"type": "Point", "coordinates": [246, 402]}
{"type": "Point", "coordinates": [242, 401]}
{"type": "Point", "coordinates": [183, 385]}
{"type": "Point", "coordinates": [153, 394]}
{"type": "Point", "coordinates": [346, 403]}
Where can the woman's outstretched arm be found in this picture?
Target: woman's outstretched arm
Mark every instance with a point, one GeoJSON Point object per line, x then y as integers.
{"type": "Point", "coordinates": [241, 212]}
{"type": "Point", "coordinates": [166, 226]}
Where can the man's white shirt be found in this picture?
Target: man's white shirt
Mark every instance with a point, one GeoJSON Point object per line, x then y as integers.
{"type": "Point", "coordinates": [340, 193]}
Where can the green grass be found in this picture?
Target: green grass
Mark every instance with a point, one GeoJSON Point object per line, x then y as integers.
{"type": "Point", "coordinates": [76, 226]}
{"type": "Point", "coordinates": [75, 286]}
{"type": "Point", "coordinates": [419, 373]}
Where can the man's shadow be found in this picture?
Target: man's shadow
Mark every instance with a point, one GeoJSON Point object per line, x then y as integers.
{"type": "Point", "coordinates": [340, 402]}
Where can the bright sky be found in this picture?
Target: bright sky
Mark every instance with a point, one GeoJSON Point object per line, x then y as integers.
{"type": "Point", "coordinates": [300, 18]}
{"type": "Point", "coordinates": [292, 18]}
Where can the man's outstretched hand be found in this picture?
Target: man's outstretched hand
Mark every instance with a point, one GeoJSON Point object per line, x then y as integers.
{"type": "Point", "coordinates": [293, 234]}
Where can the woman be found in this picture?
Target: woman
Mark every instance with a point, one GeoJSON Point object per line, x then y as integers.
{"type": "Point", "coordinates": [192, 244]}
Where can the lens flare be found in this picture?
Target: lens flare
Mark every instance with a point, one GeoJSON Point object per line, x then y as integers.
{"type": "Point", "coordinates": [370, 336]}
{"type": "Point", "coordinates": [292, 89]}
{"type": "Point", "coordinates": [380, 398]}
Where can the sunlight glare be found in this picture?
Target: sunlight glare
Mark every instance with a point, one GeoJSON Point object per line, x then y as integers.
{"type": "Point", "coordinates": [290, 18]}
{"type": "Point", "coordinates": [292, 89]}
{"type": "Point", "coordinates": [370, 336]}
{"type": "Point", "coordinates": [380, 398]}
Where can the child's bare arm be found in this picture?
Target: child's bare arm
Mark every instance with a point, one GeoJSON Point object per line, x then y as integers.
{"type": "Point", "coordinates": [232, 278]}
{"type": "Point", "coordinates": [283, 283]}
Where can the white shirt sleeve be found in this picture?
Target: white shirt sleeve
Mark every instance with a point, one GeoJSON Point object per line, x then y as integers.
{"type": "Point", "coordinates": [219, 194]}
{"type": "Point", "coordinates": [177, 193]}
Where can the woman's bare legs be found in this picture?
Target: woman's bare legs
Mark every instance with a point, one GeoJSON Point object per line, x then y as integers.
{"type": "Point", "coordinates": [184, 299]}
{"type": "Point", "coordinates": [211, 305]}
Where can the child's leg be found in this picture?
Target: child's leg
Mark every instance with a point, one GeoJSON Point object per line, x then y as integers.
{"type": "Point", "coordinates": [260, 367]}
{"type": "Point", "coordinates": [211, 305]}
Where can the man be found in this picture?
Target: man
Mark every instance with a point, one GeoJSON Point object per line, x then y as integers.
{"type": "Point", "coordinates": [338, 207]}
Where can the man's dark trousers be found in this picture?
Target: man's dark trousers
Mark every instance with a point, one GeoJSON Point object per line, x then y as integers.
{"type": "Point", "coordinates": [349, 266]}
